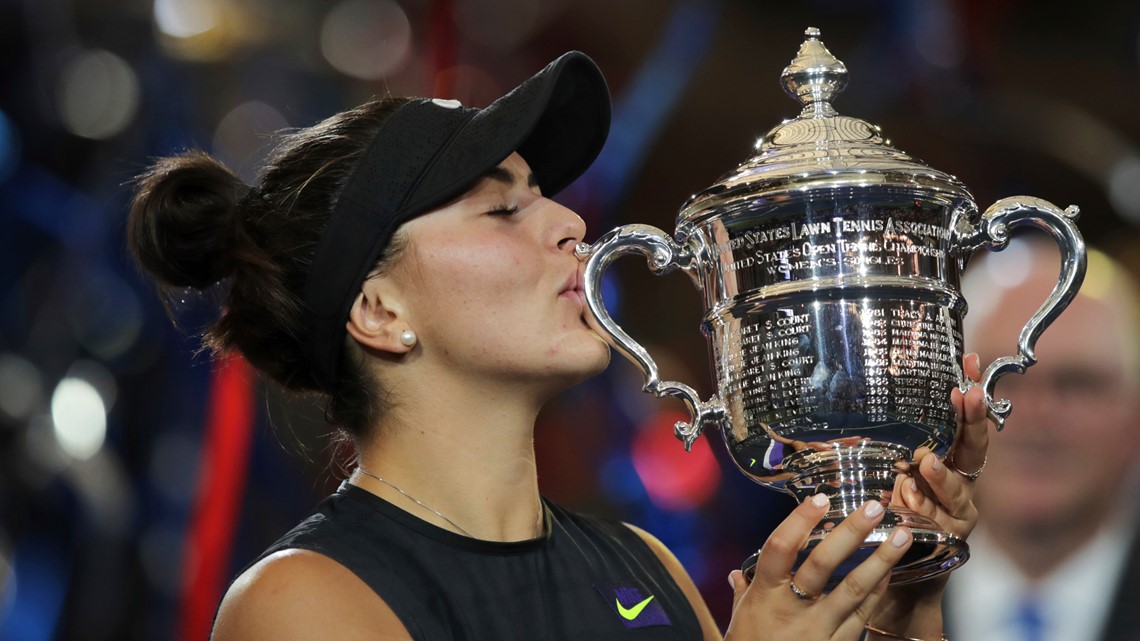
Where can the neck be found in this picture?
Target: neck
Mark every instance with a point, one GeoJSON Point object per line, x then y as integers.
{"type": "Point", "coordinates": [467, 452]}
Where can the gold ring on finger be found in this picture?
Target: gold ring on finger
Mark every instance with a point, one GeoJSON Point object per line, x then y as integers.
{"type": "Point", "coordinates": [971, 476]}
{"type": "Point", "coordinates": [800, 592]}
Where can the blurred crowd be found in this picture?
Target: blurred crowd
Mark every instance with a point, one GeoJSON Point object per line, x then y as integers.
{"type": "Point", "coordinates": [136, 477]}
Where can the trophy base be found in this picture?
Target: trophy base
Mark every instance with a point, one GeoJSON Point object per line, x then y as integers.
{"type": "Point", "coordinates": [852, 473]}
{"type": "Point", "coordinates": [933, 552]}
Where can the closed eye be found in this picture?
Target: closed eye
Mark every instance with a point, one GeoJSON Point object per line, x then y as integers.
{"type": "Point", "coordinates": [503, 210]}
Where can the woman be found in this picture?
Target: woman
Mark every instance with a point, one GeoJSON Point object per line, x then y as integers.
{"type": "Point", "coordinates": [402, 260]}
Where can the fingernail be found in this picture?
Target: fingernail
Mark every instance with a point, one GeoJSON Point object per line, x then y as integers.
{"type": "Point", "coordinates": [731, 584]}
{"type": "Point", "coordinates": [936, 465]}
{"type": "Point", "coordinates": [899, 538]}
{"type": "Point", "coordinates": [820, 500]}
{"type": "Point", "coordinates": [912, 486]}
{"type": "Point", "coordinates": [873, 509]}
{"type": "Point", "coordinates": [975, 360]}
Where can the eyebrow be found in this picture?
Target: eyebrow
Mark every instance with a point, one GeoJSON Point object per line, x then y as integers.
{"type": "Point", "coordinates": [505, 176]}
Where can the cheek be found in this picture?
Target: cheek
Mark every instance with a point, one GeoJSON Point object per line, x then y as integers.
{"type": "Point", "coordinates": [487, 278]}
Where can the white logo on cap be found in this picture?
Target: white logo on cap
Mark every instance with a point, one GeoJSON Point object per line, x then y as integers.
{"type": "Point", "coordinates": [447, 104]}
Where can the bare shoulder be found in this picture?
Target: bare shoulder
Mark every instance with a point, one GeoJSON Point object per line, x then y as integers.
{"type": "Point", "coordinates": [684, 581]}
{"type": "Point", "coordinates": [297, 595]}
{"type": "Point", "coordinates": [665, 555]}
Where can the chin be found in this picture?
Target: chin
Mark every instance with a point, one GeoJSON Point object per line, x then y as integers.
{"type": "Point", "coordinates": [583, 362]}
{"type": "Point", "coordinates": [1036, 507]}
{"type": "Point", "coordinates": [602, 353]}
{"type": "Point", "coordinates": [595, 360]}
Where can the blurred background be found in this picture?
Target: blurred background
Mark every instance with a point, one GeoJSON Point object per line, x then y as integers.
{"type": "Point", "coordinates": [137, 478]}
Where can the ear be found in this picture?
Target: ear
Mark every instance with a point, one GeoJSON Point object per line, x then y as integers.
{"type": "Point", "coordinates": [374, 324]}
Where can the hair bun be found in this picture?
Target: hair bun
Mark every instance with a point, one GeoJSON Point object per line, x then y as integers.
{"type": "Point", "coordinates": [183, 219]}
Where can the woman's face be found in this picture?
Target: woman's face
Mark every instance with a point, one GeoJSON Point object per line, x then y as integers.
{"type": "Point", "coordinates": [492, 287]}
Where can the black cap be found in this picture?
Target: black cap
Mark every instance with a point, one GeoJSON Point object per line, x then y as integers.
{"type": "Point", "coordinates": [429, 152]}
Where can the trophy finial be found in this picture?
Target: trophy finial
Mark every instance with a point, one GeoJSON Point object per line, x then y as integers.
{"type": "Point", "coordinates": [815, 76]}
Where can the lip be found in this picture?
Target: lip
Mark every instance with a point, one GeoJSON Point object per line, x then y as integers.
{"type": "Point", "coordinates": [572, 288]}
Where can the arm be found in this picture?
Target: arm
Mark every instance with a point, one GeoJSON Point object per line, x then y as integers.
{"type": "Point", "coordinates": [684, 581]}
{"type": "Point", "coordinates": [299, 595]}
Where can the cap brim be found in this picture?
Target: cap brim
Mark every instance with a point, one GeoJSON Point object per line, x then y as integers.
{"type": "Point", "coordinates": [557, 120]}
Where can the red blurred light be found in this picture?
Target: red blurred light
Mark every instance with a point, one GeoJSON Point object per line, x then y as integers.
{"type": "Point", "coordinates": [675, 480]}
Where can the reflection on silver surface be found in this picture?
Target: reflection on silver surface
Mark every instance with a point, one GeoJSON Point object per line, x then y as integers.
{"type": "Point", "coordinates": [829, 265]}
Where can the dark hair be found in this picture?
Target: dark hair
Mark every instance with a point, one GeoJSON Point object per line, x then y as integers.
{"type": "Point", "coordinates": [193, 223]}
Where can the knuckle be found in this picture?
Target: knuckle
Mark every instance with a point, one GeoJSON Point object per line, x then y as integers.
{"type": "Point", "coordinates": [857, 525]}
{"type": "Point", "coordinates": [815, 565]}
{"type": "Point", "coordinates": [970, 513]}
{"type": "Point", "coordinates": [925, 508]}
{"type": "Point", "coordinates": [863, 612]}
{"type": "Point", "coordinates": [960, 495]}
{"type": "Point", "coordinates": [779, 544]}
{"type": "Point", "coordinates": [854, 587]}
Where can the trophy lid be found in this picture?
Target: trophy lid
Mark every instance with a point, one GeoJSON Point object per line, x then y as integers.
{"type": "Point", "coordinates": [818, 149]}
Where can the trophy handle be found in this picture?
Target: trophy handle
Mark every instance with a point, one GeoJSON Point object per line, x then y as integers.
{"type": "Point", "coordinates": [993, 233]}
{"type": "Point", "coordinates": [663, 255]}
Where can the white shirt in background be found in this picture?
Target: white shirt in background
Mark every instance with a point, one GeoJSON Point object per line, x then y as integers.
{"type": "Point", "coordinates": [1074, 600]}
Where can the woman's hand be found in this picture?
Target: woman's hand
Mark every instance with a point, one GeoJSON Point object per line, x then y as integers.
{"type": "Point", "coordinates": [943, 491]}
{"type": "Point", "coordinates": [780, 606]}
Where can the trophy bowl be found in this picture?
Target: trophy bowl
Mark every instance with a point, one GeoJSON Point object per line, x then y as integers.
{"type": "Point", "coordinates": [829, 266]}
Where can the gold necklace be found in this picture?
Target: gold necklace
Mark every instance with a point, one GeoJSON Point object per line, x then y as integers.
{"type": "Point", "coordinates": [537, 527]}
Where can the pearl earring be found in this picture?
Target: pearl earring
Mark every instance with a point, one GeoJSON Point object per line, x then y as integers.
{"type": "Point", "coordinates": [408, 337]}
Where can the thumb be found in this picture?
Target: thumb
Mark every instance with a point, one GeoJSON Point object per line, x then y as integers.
{"type": "Point", "coordinates": [739, 587]}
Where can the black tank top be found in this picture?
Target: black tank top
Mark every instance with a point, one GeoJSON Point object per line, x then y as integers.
{"type": "Point", "coordinates": [587, 578]}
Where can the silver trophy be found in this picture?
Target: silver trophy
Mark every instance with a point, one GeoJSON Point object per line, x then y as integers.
{"type": "Point", "coordinates": [829, 264]}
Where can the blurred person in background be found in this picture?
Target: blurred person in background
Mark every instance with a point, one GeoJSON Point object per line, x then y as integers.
{"type": "Point", "coordinates": [1056, 556]}
{"type": "Point", "coordinates": [402, 261]}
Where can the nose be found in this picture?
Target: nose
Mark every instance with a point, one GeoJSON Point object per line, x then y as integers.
{"type": "Point", "coordinates": [569, 228]}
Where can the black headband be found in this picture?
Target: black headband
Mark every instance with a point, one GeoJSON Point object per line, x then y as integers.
{"type": "Point", "coordinates": [429, 152]}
